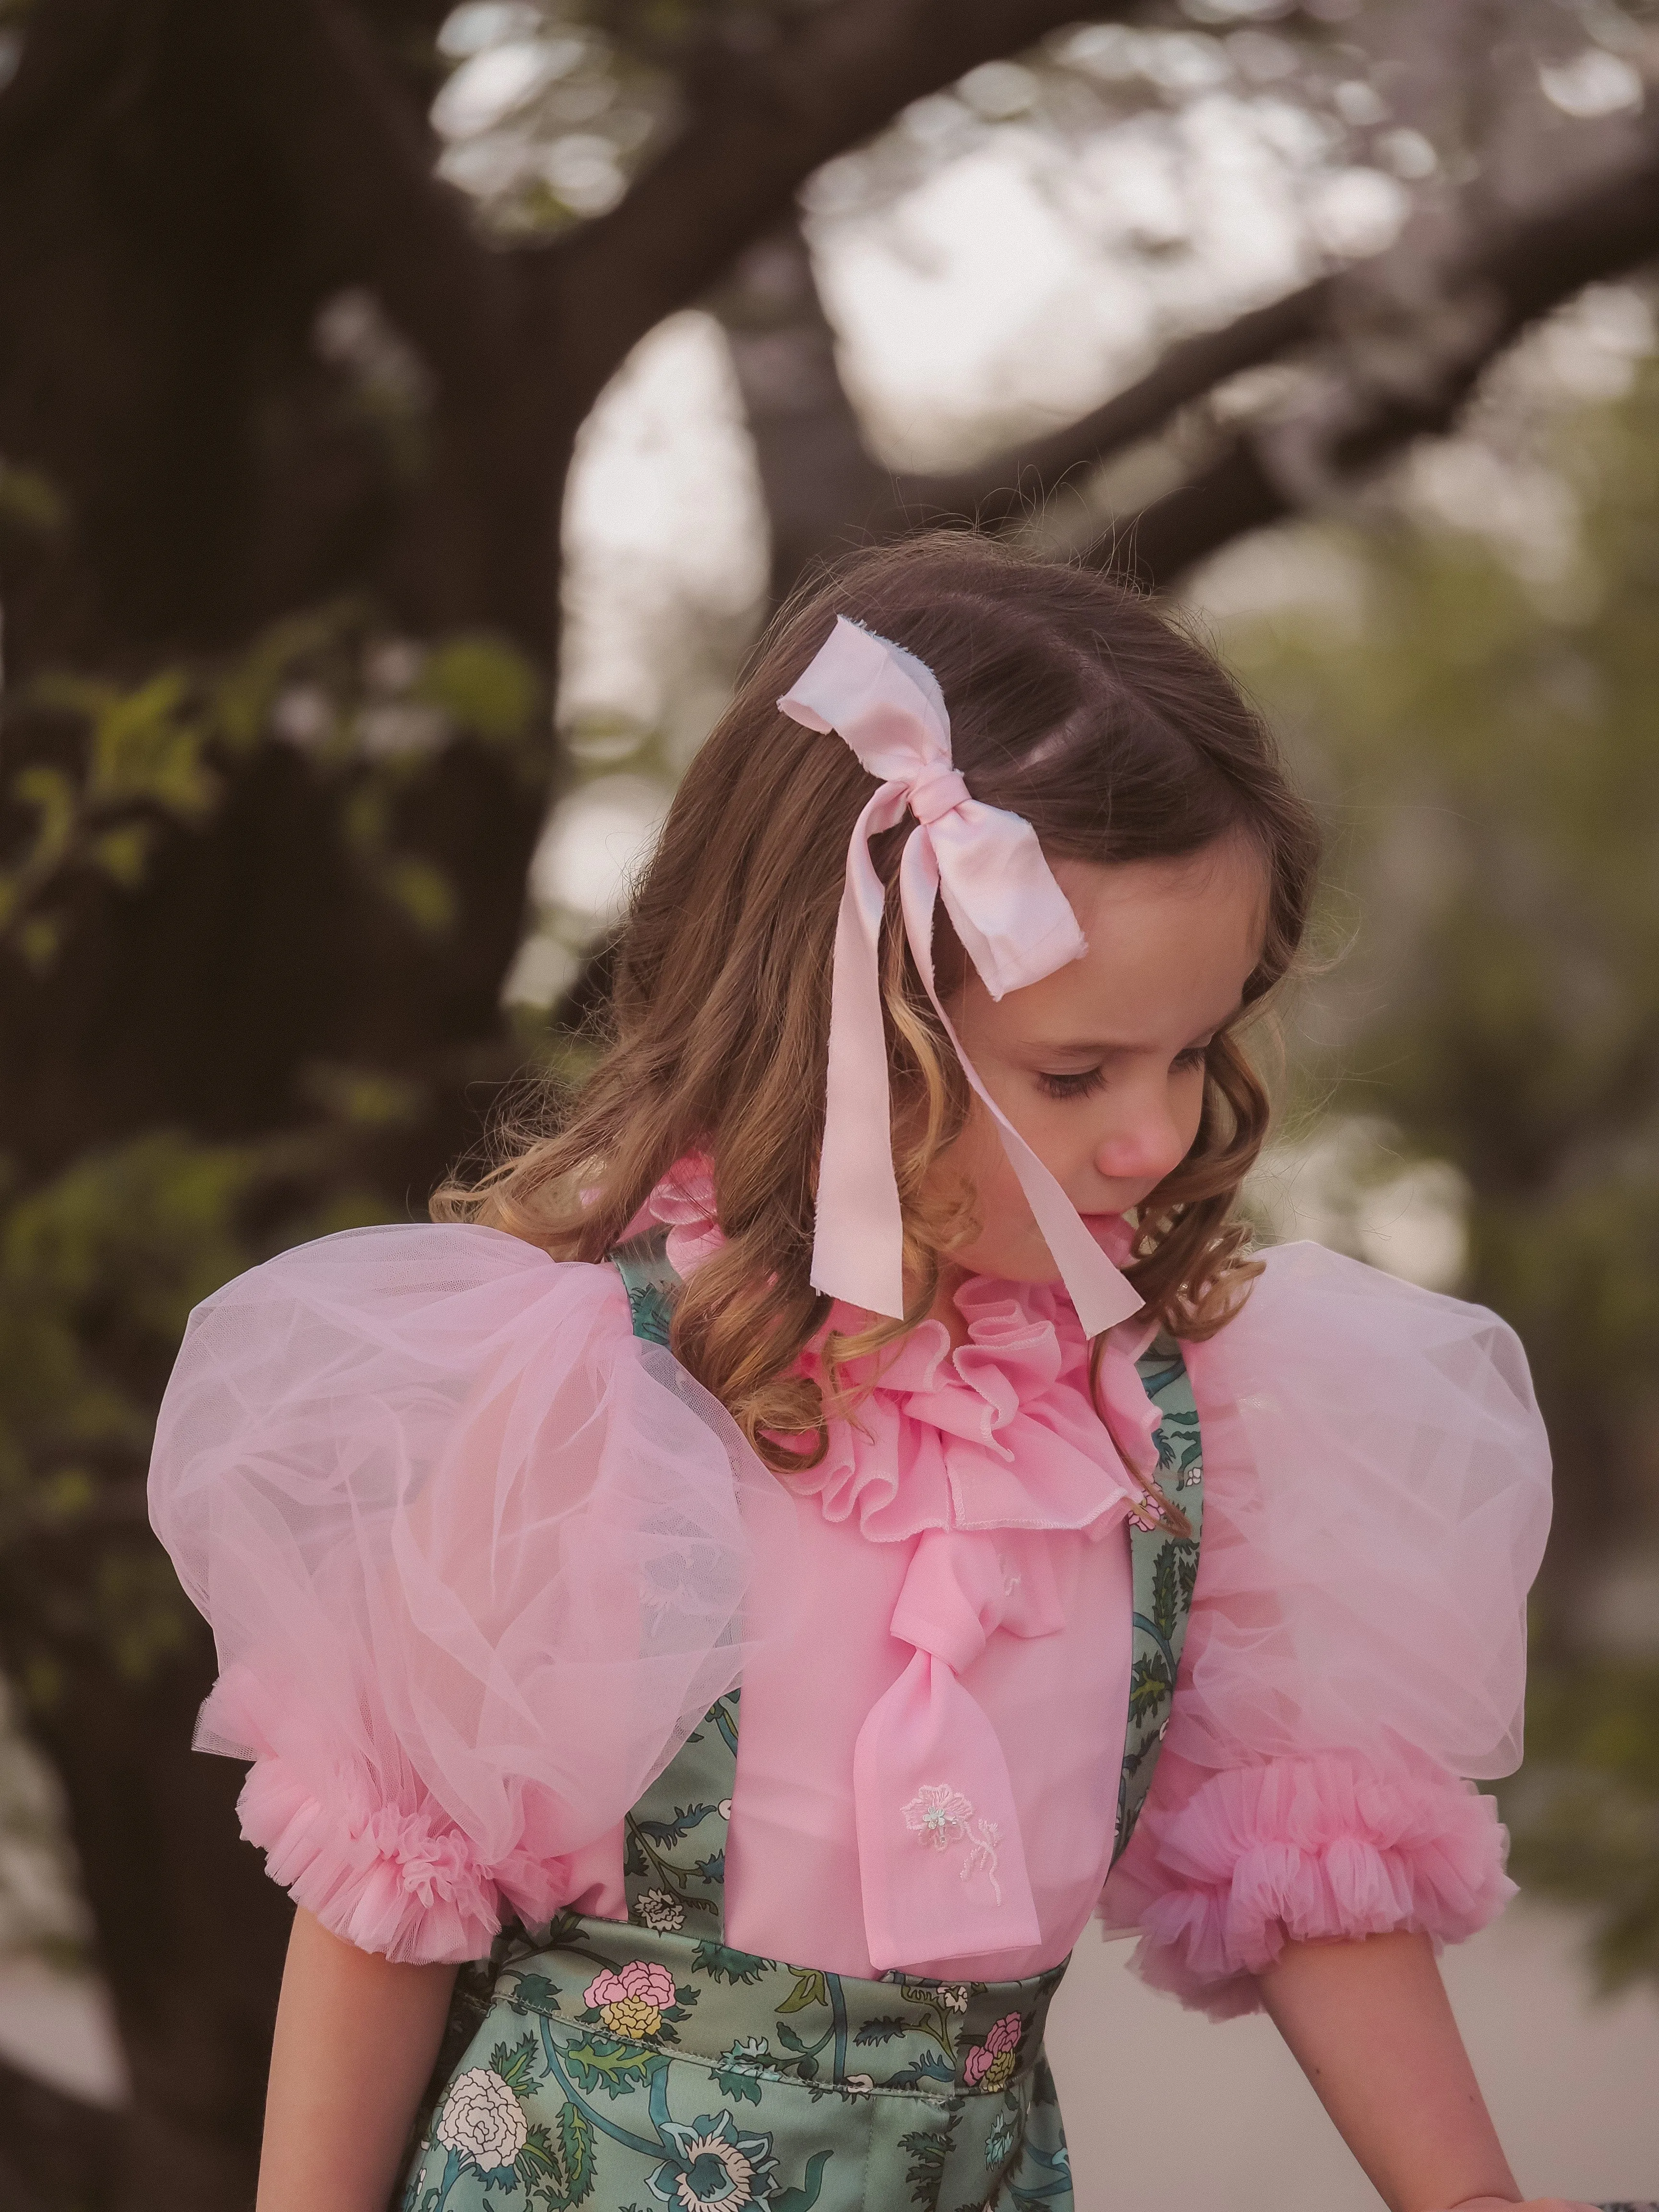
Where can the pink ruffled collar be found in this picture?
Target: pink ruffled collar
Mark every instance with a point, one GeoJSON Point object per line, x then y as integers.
{"type": "Point", "coordinates": [1000, 1432]}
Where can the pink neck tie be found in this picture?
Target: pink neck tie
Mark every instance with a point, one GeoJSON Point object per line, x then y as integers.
{"type": "Point", "coordinates": [940, 1854]}
{"type": "Point", "coordinates": [1014, 923]}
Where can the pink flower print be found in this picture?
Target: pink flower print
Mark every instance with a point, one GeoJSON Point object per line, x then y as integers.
{"type": "Point", "coordinates": [632, 2003]}
{"type": "Point", "coordinates": [939, 1815]}
{"type": "Point", "coordinates": [990, 2064]}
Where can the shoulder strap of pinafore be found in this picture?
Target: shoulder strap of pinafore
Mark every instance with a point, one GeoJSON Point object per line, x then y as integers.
{"type": "Point", "coordinates": [674, 1839]}
{"type": "Point", "coordinates": [651, 1284]}
{"type": "Point", "coordinates": [1165, 1569]}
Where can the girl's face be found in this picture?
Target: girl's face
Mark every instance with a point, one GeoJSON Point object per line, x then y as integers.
{"type": "Point", "coordinates": [1100, 1066]}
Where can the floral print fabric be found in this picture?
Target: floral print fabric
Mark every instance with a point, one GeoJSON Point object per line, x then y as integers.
{"type": "Point", "coordinates": [627, 2067]}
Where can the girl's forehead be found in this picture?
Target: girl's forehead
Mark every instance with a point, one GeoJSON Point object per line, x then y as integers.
{"type": "Point", "coordinates": [1168, 941]}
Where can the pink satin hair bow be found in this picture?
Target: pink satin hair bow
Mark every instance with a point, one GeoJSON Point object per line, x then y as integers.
{"type": "Point", "coordinates": [1014, 922]}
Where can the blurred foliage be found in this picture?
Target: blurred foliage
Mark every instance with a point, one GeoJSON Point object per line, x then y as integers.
{"type": "Point", "coordinates": [100, 1264]}
{"type": "Point", "coordinates": [99, 1270]}
{"type": "Point", "coordinates": [1478, 721]}
{"type": "Point", "coordinates": [101, 772]}
{"type": "Point", "coordinates": [1584, 1810]}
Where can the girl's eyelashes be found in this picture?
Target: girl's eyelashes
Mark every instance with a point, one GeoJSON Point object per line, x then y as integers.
{"type": "Point", "coordinates": [1072, 1086]}
{"type": "Point", "coordinates": [1088, 1080]}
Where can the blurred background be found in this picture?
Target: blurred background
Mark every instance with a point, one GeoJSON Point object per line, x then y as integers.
{"type": "Point", "coordinates": [408, 414]}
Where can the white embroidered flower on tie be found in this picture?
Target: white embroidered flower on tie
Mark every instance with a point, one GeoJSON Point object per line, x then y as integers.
{"type": "Point", "coordinates": [939, 1815]}
{"type": "Point", "coordinates": [983, 1837]}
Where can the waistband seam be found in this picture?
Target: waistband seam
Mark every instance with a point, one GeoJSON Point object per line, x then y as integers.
{"type": "Point", "coordinates": [943, 2093]}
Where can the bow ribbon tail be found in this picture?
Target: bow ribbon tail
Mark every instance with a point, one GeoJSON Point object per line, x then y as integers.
{"type": "Point", "coordinates": [857, 1244]}
{"type": "Point", "coordinates": [1102, 1295]}
{"type": "Point", "coordinates": [941, 1860]}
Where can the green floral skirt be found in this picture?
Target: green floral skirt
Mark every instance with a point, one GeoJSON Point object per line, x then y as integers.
{"type": "Point", "coordinates": [625, 2069]}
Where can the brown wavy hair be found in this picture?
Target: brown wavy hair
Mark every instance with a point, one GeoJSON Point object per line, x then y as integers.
{"type": "Point", "coordinates": [1074, 702]}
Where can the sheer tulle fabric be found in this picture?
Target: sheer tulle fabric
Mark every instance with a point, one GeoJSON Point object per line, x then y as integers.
{"type": "Point", "coordinates": [1377, 1497]}
{"type": "Point", "coordinates": [475, 1561]}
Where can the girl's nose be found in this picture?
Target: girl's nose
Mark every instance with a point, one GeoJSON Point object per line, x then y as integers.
{"type": "Point", "coordinates": [1144, 1148]}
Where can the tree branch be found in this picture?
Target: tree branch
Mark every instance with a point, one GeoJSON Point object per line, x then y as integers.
{"type": "Point", "coordinates": [817, 477]}
{"type": "Point", "coordinates": [358, 161]}
{"type": "Point", "coordinates": [1393, 358]}
{"type": "Point", "coordinates": [1488, 295]}
{"type": "Point", "coordinates": [999, 492]}
{"type": "Point", "coordinates": [761, 127]}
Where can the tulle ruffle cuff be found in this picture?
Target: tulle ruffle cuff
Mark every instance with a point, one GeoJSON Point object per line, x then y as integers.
{"type": "Point", "coordinates": [395, 1882]}
{"type": "Point", "coordinates": [1302, 1850]}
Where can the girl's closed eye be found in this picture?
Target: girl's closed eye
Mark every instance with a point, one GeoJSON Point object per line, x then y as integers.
{"type": "Point", "coordinates": [1084, 1083]}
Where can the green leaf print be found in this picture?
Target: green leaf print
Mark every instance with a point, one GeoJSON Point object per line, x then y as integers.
{"type": "Point", "coordinates": [1149, 1681]}
{"type": "Point", "coordinates": [515, 2066]}
{"type": "Point", "coordinates": [740, 2069]}
{"type": "Point", "coordinates": [930, 2067]}
{"type": "Point", "coordinates": [1186, 1568]}
{"type": "Point", "coordinates": [929, 2149]}
{"type": "Point", "coordinates": [723, 1965]}
{"type": "Point", "coordinates": [618, 2068]}
{"type": "Point", "coordinates": [1163, 1592]}
{"type": "Point", "coordinates": [532, 1993]}
{"type": "Point", "coordinates": [806, 2064]}
{"type": "Point", "coordinates": [802, 2200]}
{"type": "Point", "coordinates": [575, 2156]}
{"type": "Point", "coordinates": [879, 2031]}
{"type": "Point", "coordinates": [811, 1988]}
{"type": "Point", "coordinates": [534, 2164]}
{"type": "Point", "coordinates": [686, 1817]}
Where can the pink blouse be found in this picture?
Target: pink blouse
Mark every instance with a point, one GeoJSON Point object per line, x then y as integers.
{"type": "Point", "coordinates": [477, 1560]}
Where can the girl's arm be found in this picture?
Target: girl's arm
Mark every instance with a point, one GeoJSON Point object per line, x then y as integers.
{"type": "Point", "coordinates": [1372, 2026]}
{"type": "Point", "coordinates": [355, 2040]}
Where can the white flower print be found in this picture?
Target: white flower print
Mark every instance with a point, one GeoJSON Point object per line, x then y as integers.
{"type": "Point", "coordinates": [859, 2085]}
{"type": "Point", "coordinates": [955, 1998]}
{"type": "Point", "coordinates": [939, 1815]}
{"type": "Point", "coordinates": [483, 2120]}
{"type": "Point", "coordinates": [660, 1910]}
{"type": "Point", "coordinates": [724, 1808]}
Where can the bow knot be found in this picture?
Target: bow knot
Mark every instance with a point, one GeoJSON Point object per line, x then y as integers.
{"type": "Point", "coordinates": [937, 791]}
{"type": "Point", "coordinates": [1015, 926]}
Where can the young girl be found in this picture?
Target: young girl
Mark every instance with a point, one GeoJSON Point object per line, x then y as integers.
{"type": "Point", "coordinates": [736, 1574]}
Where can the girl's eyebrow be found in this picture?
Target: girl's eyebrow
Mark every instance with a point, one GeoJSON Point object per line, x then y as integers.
{"type": "Point", "coordinates": [1100, 1049]}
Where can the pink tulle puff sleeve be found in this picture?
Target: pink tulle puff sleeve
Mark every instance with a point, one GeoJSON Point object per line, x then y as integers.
{"type": "Point", "coordinates": [1376, 1502]}
{"type": "Point", "coordinates": [475, 1560]}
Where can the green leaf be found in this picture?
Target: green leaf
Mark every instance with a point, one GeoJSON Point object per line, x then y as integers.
{"type": "Point", "coordinates": [423, 892]}
{"type": "Point", "coordinates": [1149, 1685]}
{"type": "Point", "coordinates": [670, 1832]}
{"type": "Point", "coordinates": [534, 1990]}
{"type": "Point", "coordinates": [721, 1964]}
{"type": "Point", "coordinates": [517, 2066]}
{"type": "Point", "coordinates": [121, 854]}
{"type": "Point", "coordinates": [1164, 1591]}
{"type": "Point", "coordinates": [483, 684]}
{"type": "Point", "coordinates": [811, 1988]}
{"type": "Point", "coordinates": [576, 2143]}
{"type": "Point", "coordinates": [802, 2200]}
{"type": "Point", "coordinates": [618, 2068]}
